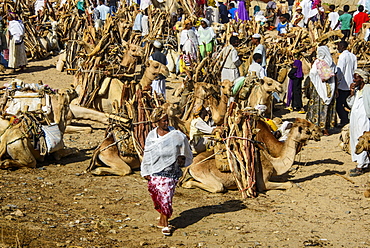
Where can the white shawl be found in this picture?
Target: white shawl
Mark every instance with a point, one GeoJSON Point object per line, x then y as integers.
{"type": "Point", "coordinates": [162, 151]}
{"type": "Point", "coordinates": [16, 29]}
{"type": "Point", "coordinates": [205, 35]}
{"type": "Point", "coordinates": [320, 86]}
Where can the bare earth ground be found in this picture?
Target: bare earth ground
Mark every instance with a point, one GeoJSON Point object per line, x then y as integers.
{"type": "Point", "coordinates": [58, 205]}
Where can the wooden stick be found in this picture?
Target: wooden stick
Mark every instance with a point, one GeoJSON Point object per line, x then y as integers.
{"type": "Point", "coordinates": [349, 180]}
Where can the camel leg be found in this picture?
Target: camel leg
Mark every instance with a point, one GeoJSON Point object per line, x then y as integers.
{"type": "Point", "coordinates": [109, 171]}
{"type": "Point", "coordinates": [263, 178]}
{"type": "Point", "coordinates": [116, 166]}
{"type": "Point", "coordinates": [111, 158]}
{"type": "Point", "coordinates": [10, 163]}
{"type": "Point", "coordinates": [88, 114]}
{"type": "Point", "coordinates": [58, 155]}
{"type": "Point", "coordinates": [76, 129]}
{"type": "Point", "coordinates": [210, 184]}
{"type": "Point", "coordinates": [275, 185]}
{"type": "Point", "coordinates": [20, 154]}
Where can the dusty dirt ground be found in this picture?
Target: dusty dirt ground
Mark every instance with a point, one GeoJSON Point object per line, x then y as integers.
{"type": "Point", "coordinates": [58, 205]}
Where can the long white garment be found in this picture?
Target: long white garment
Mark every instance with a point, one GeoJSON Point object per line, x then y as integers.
{"type": "Point", "coordinates": [39, 5]}
{"type": "Point", "coordinates": [205, 35]}
{"type": "Point", "coordinates": [162, 151]}
{"type": "Point", "coordinates": [358, 124]}
{"type": "Point", "coordinates": [198, 127]}
{"type": "Point", "coordinates": [159, 86]}
{"type": "Point", "coordinates": [261, 50]}
{"type": "Point", "coordinates": [17, 54]}
{"type": "Point", "coordinates": [230, 70]}
{"type": "Point", "coordinates": [306, 8]}
{"type": "Point", "coordinates": [347, 64]}
{"type": "Point", "coordinates": [144, 25]}
{"type": "Point", "coordinates": [320, 86]}
{"type": "Point", "coordinates": [333, 18]}
{"type": "Point", "coordinates": [104, 11]}
{"type": "Point", "coordinates": [137, 22]}
{"type": "Point", "coordinates": [189, 41]}
{"type": "Point", "coordinates": [258, 69]}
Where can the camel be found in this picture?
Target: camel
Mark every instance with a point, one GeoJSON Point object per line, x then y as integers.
{"type": "Point", "coordinates": [107, 152]}
{"type": "Point", "coordinates": [261, 93]}
{"type": "Point", "coordinates": [110, 95]}
{"type": "Point", "coordinates": [344, 139]}
{"type": "Point", "coordinates": [131, 56]}
{"type": "Point", "coordinates": [276, 159]}
{"type": "Point", "coordinates": [14, 141]}
{"type": "Point", "coordinates": [153, 69]}
{"type": "Point", "coordinates": [363, 143]}
{"type": "Point", "coordinates": [219, 107]}
{"type": "Point", "coordinates": [120, 161]}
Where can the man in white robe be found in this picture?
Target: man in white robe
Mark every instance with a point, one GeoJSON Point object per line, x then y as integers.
{"type": "Point", "coordinates": [359, 119]}
{"type": "Point", "coordinates": [347, 64]}
{"type": "Point", "coordinates": [198, 128]}
{"type": "Point", "coordinates": [230, 69]}
{"type": "Point", "coordinates": [256, 40]}
{"type": "Point", "coordinates": [256, 66]}
{"type": "Point", "coordinates": [159, 84]}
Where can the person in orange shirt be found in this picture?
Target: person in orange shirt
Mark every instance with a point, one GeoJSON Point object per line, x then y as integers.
{"type": "Point", "coordinates": [359, 19]}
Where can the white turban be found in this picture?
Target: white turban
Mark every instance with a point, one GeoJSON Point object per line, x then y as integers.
{"type": "Point", "coordinates": [364, 75]}
{"type": "Point", "coordinates": [206, 21]}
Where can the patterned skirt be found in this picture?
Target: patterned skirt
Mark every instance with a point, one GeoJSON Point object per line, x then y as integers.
{"type": "Point", "coordinates": [162, 190]}
{"type": "Point", "coordinates": [318, 113]}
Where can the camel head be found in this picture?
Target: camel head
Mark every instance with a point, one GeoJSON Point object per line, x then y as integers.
{"type": "Point", "coordinates": [312, 128]}
{"type": "Point", "coordinates": [172, 109]}
{"type": "Point", "coordinates": [363, 143]}
{"type": "Point", "coordinates": [132, 53]}
{"type": "Point", "coordinates": [60, 103]}
{"type": "Point", "coordinates": [203, 90]}
{"type": "Point", "coordinates": [135, 50]}
{"type": "Point", "coordinates": [270, 85]}
{"type": "Point", "coordinates": [303, 131]}
{"type": "Point", "coordinates": [226, 87]}
{"type": "Point", "coordinates": [154, 69]}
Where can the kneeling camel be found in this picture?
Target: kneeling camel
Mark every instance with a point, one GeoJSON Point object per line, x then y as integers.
{"type": "Point", "coordinates": [276, 159]}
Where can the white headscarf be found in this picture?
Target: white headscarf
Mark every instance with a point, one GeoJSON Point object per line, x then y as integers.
{"type": "Point", "coordinates": [323, 53]}
{"type": "Point", "coordinates": [205, 35]}
{"type": "Point", "coordinates": [16, 29]}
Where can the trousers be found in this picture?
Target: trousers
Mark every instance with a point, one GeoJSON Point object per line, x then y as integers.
{"type": "Point", "coordinates": [341, 104]}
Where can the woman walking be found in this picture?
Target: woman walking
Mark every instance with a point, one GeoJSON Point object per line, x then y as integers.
{"type": "Point", "coordinates": [321, 104]}
{"type": "Point", "coordinates": [166, 150]}
{"type": "Point", "coordinates": [189, 43]}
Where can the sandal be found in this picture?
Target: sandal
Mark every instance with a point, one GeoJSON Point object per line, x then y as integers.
{"type": "Point", "coordinates": [356, 172]}
{"type": "Point", "coordinates": [166, 231]}
{"type": "Point", "coordinates": [289, 108]}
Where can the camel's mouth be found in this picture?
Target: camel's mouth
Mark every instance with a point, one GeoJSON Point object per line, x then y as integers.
{"type": "Point", "coordinates": [359, 149]}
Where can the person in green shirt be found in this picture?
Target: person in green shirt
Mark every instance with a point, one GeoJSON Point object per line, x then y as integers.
{"type": "Point", "coordinates": [346, 21]}
{"type": "Point", "coordinates": [80, 7]}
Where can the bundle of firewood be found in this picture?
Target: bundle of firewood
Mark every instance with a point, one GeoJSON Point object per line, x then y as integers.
{"type": "Point", "coordinates": [241, 150]}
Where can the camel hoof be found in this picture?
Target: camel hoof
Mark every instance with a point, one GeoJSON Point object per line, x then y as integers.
{"type": "Point", "coordinates": [187, 185]}
{"type": "Point", "coordinates": [97, 172]}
